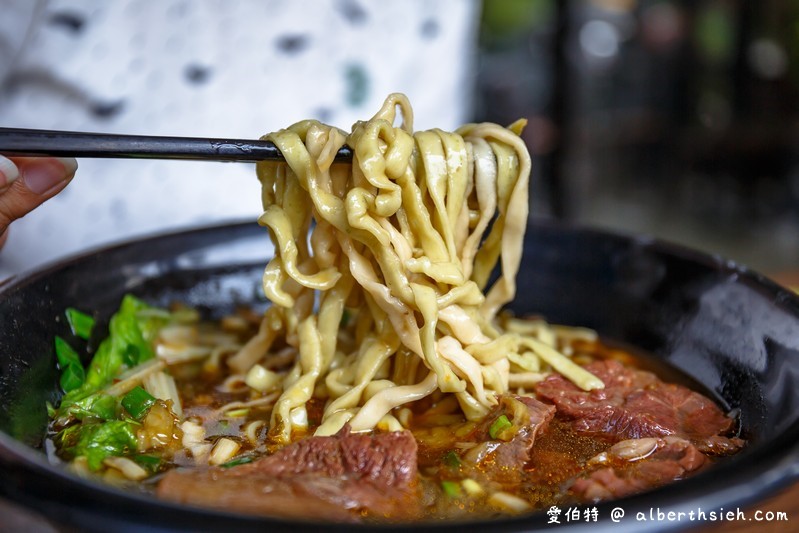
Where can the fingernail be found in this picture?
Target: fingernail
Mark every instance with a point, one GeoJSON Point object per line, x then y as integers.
{"type": "Point", "coordinates": [8, 171]}
{"type": "Point", "coordinates": [70, 165]}
{"type": "Point", "coordinates": [43, 176]}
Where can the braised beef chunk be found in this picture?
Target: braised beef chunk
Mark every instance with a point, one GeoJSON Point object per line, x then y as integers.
{"type": "Point", "coordinates": [339, 477]}
{"type": "Point", "coordinates": [635, 465]}
{"type": "Point", "coordinates": [386, 459]}
{"type": "Point", "coordinates": [636, 404]}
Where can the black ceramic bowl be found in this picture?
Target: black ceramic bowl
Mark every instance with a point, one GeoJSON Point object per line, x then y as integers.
{"type": "Point", "coordinates": [732, 330]}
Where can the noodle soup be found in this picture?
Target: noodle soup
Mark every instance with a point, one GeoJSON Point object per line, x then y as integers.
{"type": "Point", "coordinates": [383, 382]}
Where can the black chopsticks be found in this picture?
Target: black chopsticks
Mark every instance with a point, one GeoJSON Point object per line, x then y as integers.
{"type": "Point", "coordinates": [32, 143]}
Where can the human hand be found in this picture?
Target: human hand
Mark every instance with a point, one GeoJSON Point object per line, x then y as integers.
{"type": "Point", "coordinates": [26, 182]}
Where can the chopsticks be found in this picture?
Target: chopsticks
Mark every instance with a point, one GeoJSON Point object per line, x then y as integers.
{"type": "Point", "coordinates": [35, 143]}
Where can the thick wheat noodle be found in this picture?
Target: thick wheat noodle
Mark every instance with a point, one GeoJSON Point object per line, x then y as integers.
{"type": "Point", "coordinates": [404, 240]}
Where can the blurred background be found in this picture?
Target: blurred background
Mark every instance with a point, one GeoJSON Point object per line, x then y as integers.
{"type": "Point", "coordinates": [668, 118]}
{"type": "Point", "coordinates": [671, 118]}
{"type": "Point", "coordinates": [209, 68]}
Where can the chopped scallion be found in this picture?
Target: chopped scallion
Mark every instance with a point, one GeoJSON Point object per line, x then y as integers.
{"type": "Point", "coordinates": [72, 373]}
{"type": "Point", "coordinates": [238, 461]}
{"type": "Point", "coordinates": [451, 489]}
{"type": "Point", "coordinates": [498, 428]}
{"type": "Point", "coordinates": [151, 463]}
{"type": "Point", "coordinates": [137, 402]}
{"type": "Point", "coordinates": [452, 460]}
{"type": "Point", "coordinates": [80, 323]}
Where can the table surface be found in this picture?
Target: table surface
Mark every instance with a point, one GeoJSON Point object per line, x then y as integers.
{"type": "Point", "coordinates": [787, 501]}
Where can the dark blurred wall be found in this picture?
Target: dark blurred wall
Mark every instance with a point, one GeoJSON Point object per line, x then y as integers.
{"type": "Point", "coordinates": [672, 118]}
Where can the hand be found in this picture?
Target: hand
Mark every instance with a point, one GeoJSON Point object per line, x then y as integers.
{"type": "Point", "coordinates": [26, 182]}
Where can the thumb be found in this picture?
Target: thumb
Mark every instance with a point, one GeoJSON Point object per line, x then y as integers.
{"type": "Point", "coordinates": [26, 182]}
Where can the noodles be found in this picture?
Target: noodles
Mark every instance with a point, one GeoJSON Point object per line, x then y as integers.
{"type": "Point", "coordinates": [379, 282]}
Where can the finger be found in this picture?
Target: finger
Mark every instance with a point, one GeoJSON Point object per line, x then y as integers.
{"type": "Point", "coordinates": [8, 172]}
{"type": "Point", "coordinates": [3, 238]}
{"type": "Point", "coordinates": [41, 174]}
{"type": "Point", "coordinates": [38, 179]}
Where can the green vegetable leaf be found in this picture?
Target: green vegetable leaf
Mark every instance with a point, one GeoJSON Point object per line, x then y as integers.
{"type": "Point", "coordinates": [137, 402]}
{"type": "Point", "coordinates": [499, 428]}
{"type": "Point", "coordinates": [65, 354]}
{"type": "Point", "coordinates": [131, 332]}
{"type": "Point", "coordinates": [72, 377]}
{"type": "Point", "coordinates": [105, 364]}
{"type": "Point", "coordinates": [129, 341]}
{"type": "Point", "coordinates": [80, 323]}
{"type": "Point", "coordinates": [97, 441]}
{"type": "Point", "coordinates": [149, 319]}
{"type": "Point", "coordinates": [131, 336]}
{"type": "Point", "coordinates": [100, 406]}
